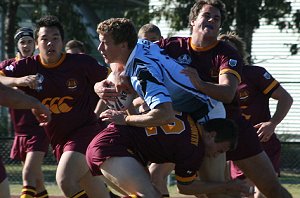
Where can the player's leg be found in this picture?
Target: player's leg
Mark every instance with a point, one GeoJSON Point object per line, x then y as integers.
{"type": "Point", "coordinates": [32, 171]}
{"type": "Point", "coordinates": [213, 170]}
{"type": "Point", "coordinates": [260, 171]}
{"type": "Point", "coordinates": [130, 176]}
{"type": "Point", "coordinates": [159, 174]}
{"type": "Point", "coordinates": [73, 174]}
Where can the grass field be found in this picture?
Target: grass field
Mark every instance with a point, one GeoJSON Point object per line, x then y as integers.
{"type": "Point", "coordinates": [289, 180]}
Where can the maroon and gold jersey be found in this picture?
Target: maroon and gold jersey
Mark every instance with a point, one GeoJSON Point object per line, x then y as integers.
{"type": "Point", "coordinates": [24, 122]}
{"type": "Point", "coordinates": [255, 91]}
{"type": "Point", "coordinates": [67, 88]}
{"type": "Point", "coordinates": [210, 62]}
{"type": "Point", "coordinates": [179, 143]}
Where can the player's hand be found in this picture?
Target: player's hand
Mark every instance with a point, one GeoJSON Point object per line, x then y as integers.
{"type": "Point", "coordinates": [42, 114]}
{"type": "Point", "coordinates": [265, 130]}
{"type": "Point", "coordinates": [117, 117]}
{"type": "Point", "coordinates": [123, 84]}
{"type": "Point", "coordinates": [193, 75]}
{"type": "Point", "coordinates": [30, 81]}
{"type": "Point", "coordinates": [106, 90]}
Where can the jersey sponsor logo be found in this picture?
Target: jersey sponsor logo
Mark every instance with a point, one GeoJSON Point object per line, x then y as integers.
{"type": "Point", "coordinates": [9, 68]}
{"type": "Point", "coordinates": [267, 76]}
{"type": "Point", "coordinates": [184, 59]}
{"type": "Point", "coordinates": [71, 84]}
{"type": "Point", "coordinates": [58, 105]}
{"type": "Point", "coordinates": [244, 94]}
{"type": "Point", "coordinates": [232, 62]}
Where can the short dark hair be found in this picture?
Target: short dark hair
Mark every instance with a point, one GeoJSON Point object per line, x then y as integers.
{"type": "Point", "coordinates": [75, 44]}
{"type": "Point", "coordinates": [149, 27]}
{"type": "Point", "coordinates": [49, 21]}
{"type": "Point", "coordinates": [195, 10]}
{"type": "Point", "coordinates": [121, 30]}
{"type": "Point", "coordinates": [226, 130]}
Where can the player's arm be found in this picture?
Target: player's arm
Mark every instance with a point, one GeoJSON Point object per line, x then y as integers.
{"type": "Point", "coordinates": [160, 115]}
{"type": "Point", "coordinates": [30, 81]}
{"type": "Point", "coordinates": [284, 103]}
{"type": "Point", "coordinates": [18, 100]}
{"type": "Point", "coordinates": [224, 91]}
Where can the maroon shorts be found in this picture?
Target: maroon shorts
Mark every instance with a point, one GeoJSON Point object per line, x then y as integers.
{"type": "Point", "coordinates": [78, 141]}
{"type": "Point", "coordinates": [248, 143]}
{"type": "Point", "coordinates": [272, 149]}
{"type": "Point", "coordinates": [3, 174]}
{"type": "Point", "coordinates": [24, 144]}
{"type": "Point", "coordinates": [105, 145]}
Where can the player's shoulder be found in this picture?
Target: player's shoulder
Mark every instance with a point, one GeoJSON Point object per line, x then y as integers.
{"type": "Point", "coordinates": [253, 69]}
{"type": "Point", "coordinates": [6, 62]}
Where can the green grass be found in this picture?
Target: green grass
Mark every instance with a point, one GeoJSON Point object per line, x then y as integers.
{"type": "Point", "coordinates": [290, 180]}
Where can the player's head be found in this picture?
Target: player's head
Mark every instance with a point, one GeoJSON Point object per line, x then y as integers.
{"type": "Point", "coordinates": [117, 37]}
{"type": "Point", "coordinates": [150, 32]}
{"type": "Point", "coordinates": [75, 47]}
{"type": "Point", "coordinates": [49, 21]}
{"type": "Point", "coordinates": [197, 11]}
{"type": "Point", "coordinates": [49, 35]}
{"type": "Point", "coordinates": [236, 42]}
{"type": "Point", "coordinates": [222, 132]}
{"type": "Point", "coordinates": [24, 42]}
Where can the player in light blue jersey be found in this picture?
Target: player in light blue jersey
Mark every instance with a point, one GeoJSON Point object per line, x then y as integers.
{"type": "Point", "coordinates": [156, 78]}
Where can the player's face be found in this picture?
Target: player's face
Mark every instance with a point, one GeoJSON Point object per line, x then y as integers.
{"type": "Point", "coordinates": [50, 44]}
{"type": "Point", "coordinates": [108, 49]}
{"type": "Point", "coordinates": [208, 22]}
{"type": "Point", "coordinates": [215, 149]}
{"type": "Point", "coordinates": [26, 46]}
{"type": "Point", "coordinates": [212, 149]}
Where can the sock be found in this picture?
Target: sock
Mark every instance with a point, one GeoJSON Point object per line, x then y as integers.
{"type": "Point", "coordinates": [28, 192]}
{"type": "Point", "coordinates": [165, 195]}
{"type": "Point", "coordinates": [43, 194]}
{"type": "Point", "coordinates": [80, 194]}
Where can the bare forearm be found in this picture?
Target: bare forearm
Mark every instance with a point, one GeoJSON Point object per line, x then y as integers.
{"type": "Point", "coordinates": [282, 108]}
{"type": "Point", "coordinates": [8, 81]}
{"type": "Point", "coordinates": [155, 117]}
{"type": "Point", "coordinates": [16, 99]}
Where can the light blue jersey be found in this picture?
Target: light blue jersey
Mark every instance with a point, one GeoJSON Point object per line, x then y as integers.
{"type": "Point", "coordinates": [157, 79]}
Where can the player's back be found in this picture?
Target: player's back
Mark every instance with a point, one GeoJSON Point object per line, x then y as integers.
{"type": "Point", "coordinates": [165, 70]}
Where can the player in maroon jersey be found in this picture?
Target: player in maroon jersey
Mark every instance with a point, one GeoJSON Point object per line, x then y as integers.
{"type": "Point", "coordinates": [30, 141]}
{"type": "Point", "coordinates": [64, 83]}
{"type": "Point", "coordinates": [119, 152]}
{"type": "Point", "coordinates": [18, 100]}
{"type": "Point", "coordinates": [215, 69]}
{"type": "Point", "coordinates": [255, 90]}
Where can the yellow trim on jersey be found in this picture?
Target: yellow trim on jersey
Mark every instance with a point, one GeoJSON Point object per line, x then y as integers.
{"type": "Point", "coordinates": [185, 179]}
{"type": "Point", "coordinates": [52, 65]}
{"type": "Point", "coordinates": [79, 194]}
{"type": "Point", "coordinates": [271, 86]}
{"type": "Point", "coordinates": [201, 49]}
{"type": "Point", "coordinates": [231, 71]}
